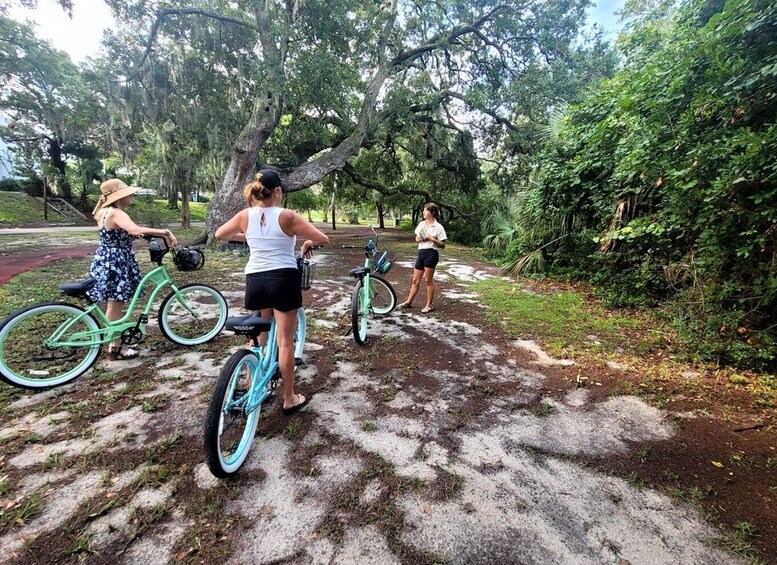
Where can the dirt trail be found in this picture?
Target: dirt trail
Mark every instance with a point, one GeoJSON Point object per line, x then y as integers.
{"type": "Point", "coordinates": [443, 440]}
{"type": "Point", "coordinates": [11, 264]}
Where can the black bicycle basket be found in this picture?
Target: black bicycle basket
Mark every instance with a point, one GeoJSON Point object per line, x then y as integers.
{"type": "Point", "coordinates": [188, 259]}
{"type": "Point", "coordinates": [383, 264]}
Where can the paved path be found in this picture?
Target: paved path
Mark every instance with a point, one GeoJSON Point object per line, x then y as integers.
{"type": "Point", "coordinates": [13, 264]}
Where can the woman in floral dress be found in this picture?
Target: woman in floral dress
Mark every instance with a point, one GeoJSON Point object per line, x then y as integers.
{"type": "Point", "coordinates": [114, 267]}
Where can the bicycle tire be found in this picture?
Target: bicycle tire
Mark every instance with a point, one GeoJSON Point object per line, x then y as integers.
{"type": "Point", "coordinates": [359, 314]}
{"type": "Point", "coordinates": [25, 360]}
{"type": "Point", "coordinates": [300, 333]}
{"type": "Point", "coordinates": [383, 298]}
{"type": "Point", "coordinates": [179, 326]}
{"type": "Point", "coordinates": [225, 454]}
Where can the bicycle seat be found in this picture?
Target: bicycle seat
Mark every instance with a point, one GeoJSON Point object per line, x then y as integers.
{"type": "Point", "coordinates": [358, 272]}
{"type": "Point", "coordinates": [248, 325]}
{"type": "Point", "coordinates": [77, 289]}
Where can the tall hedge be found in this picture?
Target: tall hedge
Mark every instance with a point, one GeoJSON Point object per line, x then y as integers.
{"type": "Point", "coordinates": [670, 172]}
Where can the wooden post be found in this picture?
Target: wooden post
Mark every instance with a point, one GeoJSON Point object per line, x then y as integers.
{"type": "Point", "coordinates": [45, 199]}
{"type": "Point", "coordinates": [334, 215]}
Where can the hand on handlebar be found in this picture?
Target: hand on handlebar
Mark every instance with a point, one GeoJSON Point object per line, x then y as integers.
{"type": "Point", "coordinates": [307, 249]}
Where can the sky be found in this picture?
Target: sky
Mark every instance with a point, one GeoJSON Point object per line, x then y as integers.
{"type": "Point", "coordinates": [80, 37]}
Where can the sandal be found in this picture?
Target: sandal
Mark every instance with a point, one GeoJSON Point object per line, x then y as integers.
{"type": "Point", "coordinates": [405, 304]}
{"type": "Point", "coordinates": [427, 309]}
{"type": "Point", "coordinates": [116, 354]}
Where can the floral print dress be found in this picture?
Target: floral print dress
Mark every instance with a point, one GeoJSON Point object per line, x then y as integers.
{"type": "Point", "coordinates": [114, 266]}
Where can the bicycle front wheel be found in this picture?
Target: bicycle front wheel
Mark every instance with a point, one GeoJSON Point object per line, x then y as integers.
{"type": "Point", "coordinates": [229, 429]}
{"type": "Point", "coordinates": [197, 317]}
{"type": "Point", "coordinates": [47, 345]}
{"type": "Point", "coordinates": [382, 295]}
{"type": "Point", "coordinates": [359, 313]}
{"type": "Point", "coordinates": [300, 334]}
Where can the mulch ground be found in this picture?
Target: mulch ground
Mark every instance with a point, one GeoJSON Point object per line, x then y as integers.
{"type": "Point", "coordinates": [728, 465]}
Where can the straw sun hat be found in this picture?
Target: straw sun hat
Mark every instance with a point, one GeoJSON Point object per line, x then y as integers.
{"type": "Point", "coordinates": [113, 190]}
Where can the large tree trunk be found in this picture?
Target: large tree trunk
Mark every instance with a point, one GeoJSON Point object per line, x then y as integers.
{"type": "Point", "coordinates": [266, 114]}
{"type": "Point", "coordinates": [380, 215]}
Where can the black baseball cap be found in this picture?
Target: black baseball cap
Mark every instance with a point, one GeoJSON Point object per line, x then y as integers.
{"type": "Point", "coordinates": [269, 179]}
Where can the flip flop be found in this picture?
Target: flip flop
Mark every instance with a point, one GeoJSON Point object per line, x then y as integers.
{"type": "Point", "coordinates": [427, 309]}
{"type": "Point", "coordinates": [296, 407]}
{"type": "Point", "coordinates": [116, 354]}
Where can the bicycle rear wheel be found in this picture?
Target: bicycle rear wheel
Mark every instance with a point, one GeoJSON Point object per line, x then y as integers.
{"type": "Point", "coordinates": [195, 320]}
{"type": "Point", "coordinates": [29, 360]}
{"type": "Point", "coordinates": [229, 430]}
{"type": "Point", "coordinates": [382, 295]}
{"type": "Point", "coordinates": [359, 313]}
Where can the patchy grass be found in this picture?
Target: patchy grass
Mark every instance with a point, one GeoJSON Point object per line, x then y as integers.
{"type": "Point", "coordinates": [562, 320]}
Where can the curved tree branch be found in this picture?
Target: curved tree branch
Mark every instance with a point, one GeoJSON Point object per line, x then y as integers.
{"type": "Point", "coordinates": [165, 12]}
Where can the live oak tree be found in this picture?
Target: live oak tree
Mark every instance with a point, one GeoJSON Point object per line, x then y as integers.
{"type": "Point", "coordinates": [45, 101]}
{"type": "Point", "coordinates": [323, 77]}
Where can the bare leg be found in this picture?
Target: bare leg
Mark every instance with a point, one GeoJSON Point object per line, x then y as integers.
{"type": "Point", "coordinates": [414, 286]}
{"type": "Point", "coordinates": [286, 324]}
{"type": "Point", "coordinates": [113, 312]}
{"type": "Point", "coordinates": [265, 313]}
{"type": "Point", "coordinates": [429, 278]}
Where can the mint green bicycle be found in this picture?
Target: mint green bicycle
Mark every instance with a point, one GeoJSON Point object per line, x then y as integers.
{"type": "Point", "coordinates": [53, 343]}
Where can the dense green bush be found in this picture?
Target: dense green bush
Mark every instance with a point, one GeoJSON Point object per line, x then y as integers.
{"type": "Point", "coordinates": [670, 169]}
{"type": "Point", "coordinates": [10, 185]}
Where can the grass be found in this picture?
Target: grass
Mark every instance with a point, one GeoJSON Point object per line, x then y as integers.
{"type": "Point", "coordinates": [547, 316]}
{"type": "Point", "coordinates": [17, 208]}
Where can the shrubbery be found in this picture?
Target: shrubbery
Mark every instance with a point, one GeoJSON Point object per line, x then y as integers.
{"type": "Point", "coordinates": [663, 183]}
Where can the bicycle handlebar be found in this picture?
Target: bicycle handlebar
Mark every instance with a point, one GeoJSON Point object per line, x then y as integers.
{"type": "Point", "coordinates": [153, 237]}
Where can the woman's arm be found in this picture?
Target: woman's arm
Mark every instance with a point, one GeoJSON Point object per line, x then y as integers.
{"type": "Point", "coordinates": [293, 224]}
{"type": "Point", "coordinates": [234, 229]}
{"type": "Point", "coordinates": [437, 242]}
{"type": "Point", "coordinates": [123, 221]}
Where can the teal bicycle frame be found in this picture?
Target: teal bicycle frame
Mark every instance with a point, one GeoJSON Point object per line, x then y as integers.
{"type": "Point", "coordinates": [111, 330]}
{"type": "Point", "coordinates": [233, 413]}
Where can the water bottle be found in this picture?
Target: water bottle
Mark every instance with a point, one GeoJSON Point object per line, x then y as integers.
{"type": "Point", "coordinates": [305, 276]}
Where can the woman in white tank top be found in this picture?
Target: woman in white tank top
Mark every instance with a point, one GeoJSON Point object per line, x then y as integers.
{"type": "Point", "coordinates": [272, 278]}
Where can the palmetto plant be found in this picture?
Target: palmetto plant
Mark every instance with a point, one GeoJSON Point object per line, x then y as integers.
{"type": "Point", "coordinates": [522, 228]}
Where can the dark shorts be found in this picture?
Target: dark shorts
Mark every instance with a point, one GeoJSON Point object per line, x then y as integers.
{"type": "Point", "coordinates": [427, 259]}
{"type": "Point", "coordinates": [278, 289]}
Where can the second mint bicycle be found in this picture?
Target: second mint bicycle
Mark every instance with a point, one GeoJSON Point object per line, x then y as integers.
{"type": "Point", "coordinates": [53, 343]}
{"type": "Point", "coordinates": [372, 294]}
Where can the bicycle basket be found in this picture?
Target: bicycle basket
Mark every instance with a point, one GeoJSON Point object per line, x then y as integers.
{"type": "Point", "coordinates": [156, 251]}
{"type": "Point", "coordinates": [188, 259]}
{"type": "Point", "coordinates": [305, 273]}
{"type": "Point", "coordinates": [383, 264]}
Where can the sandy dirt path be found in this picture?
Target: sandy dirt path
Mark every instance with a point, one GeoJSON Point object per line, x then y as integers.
{"type": "Point", "coordinates": [437, 443]}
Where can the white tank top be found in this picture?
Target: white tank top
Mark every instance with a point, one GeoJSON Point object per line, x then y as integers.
{"type": "Point", "coordinates": [271, 249]}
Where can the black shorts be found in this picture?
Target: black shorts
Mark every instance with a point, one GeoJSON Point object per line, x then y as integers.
{"type": "Point", "coordinates": [278, 289]}
{"type": "Point", "coordinates": [427, 259]}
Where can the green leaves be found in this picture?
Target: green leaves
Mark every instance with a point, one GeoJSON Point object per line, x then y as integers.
{"type": "Point", "coordinates": [688, 127]}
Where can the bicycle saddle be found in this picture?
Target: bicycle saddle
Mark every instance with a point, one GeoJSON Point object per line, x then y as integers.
{"type": "Point", "coordinates": [248, 325]}
{"type": "Point", "coordinates": [77, 289]}
{"type": "Point", "coordinates": [358, 272]}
